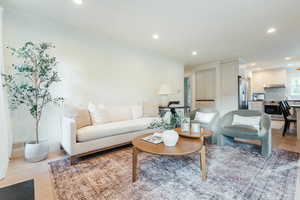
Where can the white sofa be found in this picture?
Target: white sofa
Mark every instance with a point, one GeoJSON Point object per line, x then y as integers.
{"type": "Point", "coordinates": [80, 136]}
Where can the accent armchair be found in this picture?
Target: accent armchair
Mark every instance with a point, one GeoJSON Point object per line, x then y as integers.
{"type": "Point", "coordinates": [212, 125]}
{"type": "Point", "coordinates": [227, 132]}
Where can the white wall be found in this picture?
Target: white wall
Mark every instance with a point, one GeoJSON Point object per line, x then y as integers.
{"type": "Point", "coordinates": [4, 146]}
{"type": "Point", "coordinates": [260, 79]}
{"type": "Point", "coordinates": [92, 68]}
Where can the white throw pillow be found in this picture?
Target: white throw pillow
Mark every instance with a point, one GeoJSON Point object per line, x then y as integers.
{"type": "Point", "coordinates": [204, 117]}
{"type": "Point", "coordinates": [250, 121]}
{"type": "Point", "coordinates": [137, 112]}
{"type": "Point", "coordinates": [98, 114]}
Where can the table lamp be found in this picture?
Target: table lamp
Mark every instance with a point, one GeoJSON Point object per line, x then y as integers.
{"type": "Point", "coordinates": [164, 91]}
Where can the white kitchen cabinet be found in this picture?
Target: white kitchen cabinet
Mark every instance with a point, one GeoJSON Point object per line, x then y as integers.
{"type": "Point", "coordinates": [256, 105]}
{"type": "Point", "coordinates": [261, 79]}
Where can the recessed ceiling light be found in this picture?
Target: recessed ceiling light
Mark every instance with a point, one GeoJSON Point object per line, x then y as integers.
{"type": "Point", "coordinates": [287, 58]}
{"type": "Point", "coordinates": [253, 64]}
{"type": "Point", "coordinates": [194, 53]}
{"type": "Point", "coordinates": [79, 2]}
{"type": "Point", "coordinates": [271, 30]}
{"type": "Point", "coordinates": [155, 36]}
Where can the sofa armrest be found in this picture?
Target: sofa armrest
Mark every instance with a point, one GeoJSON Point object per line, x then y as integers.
{"type": "Point", "coordinates": [68, 134]}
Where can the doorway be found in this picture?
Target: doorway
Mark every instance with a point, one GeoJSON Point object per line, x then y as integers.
{"type": "Point", "coordinates": [187, 92]}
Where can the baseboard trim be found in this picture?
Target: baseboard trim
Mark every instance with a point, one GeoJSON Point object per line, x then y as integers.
{"type": "Point", "coordinates": [3, 169]}
{"type": "Point", "coordinates": [19, 148]}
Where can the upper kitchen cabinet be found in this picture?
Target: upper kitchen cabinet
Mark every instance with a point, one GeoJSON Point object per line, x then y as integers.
{"type": "Point", "coordinates": [262, 79]}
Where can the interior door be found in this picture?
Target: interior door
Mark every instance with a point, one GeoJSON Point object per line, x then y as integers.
{"type": "Point", "coordinates": [205, 88]}
{"type": "Point", "coordinates": [187, 92]}
{"type": "Point", "coordinates": [206, 84]}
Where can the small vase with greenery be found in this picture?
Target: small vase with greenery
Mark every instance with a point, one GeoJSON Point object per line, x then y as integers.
{"type": "Point", "coordinates": [166, 124]}
{"type": "Point", "coordinates": [29, 84]}
{"type": "Point", "coordinates": [169, 124]}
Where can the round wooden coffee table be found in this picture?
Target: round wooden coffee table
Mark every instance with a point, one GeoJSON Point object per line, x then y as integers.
{"type": "Point", "coordinates": [184, 146]}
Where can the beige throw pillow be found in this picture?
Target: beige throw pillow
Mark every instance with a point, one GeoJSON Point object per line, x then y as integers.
{"type": "Point", "coordinates": [83, 118]}
{"type": "Point", "coordinates": [79, 114]}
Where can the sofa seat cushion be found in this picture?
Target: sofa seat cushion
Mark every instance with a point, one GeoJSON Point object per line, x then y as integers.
{"type": "Point", "coordinates": [110, 129]}
{"type": "Point", "coordinates": [239, 130]}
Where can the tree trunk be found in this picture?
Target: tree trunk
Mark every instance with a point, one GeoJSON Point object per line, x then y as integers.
{"type": "Point", "coordinates": [37, 131]}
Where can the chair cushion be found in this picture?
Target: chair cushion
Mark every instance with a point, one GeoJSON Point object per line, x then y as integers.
{"type": "Point", "coordinates": [114, 128]}
{"type": "Point", "coordinates": [239, 130]}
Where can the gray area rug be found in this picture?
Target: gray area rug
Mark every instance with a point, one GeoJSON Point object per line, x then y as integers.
{"type": "Point", "coordinates": [235, 172]}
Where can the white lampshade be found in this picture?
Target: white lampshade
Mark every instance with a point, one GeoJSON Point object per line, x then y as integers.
{"type": "Point", "coordinates": [164, 90]}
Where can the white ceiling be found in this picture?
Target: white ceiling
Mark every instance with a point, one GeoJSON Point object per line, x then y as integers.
{"type": "Point", "coordinates": [216, 29]}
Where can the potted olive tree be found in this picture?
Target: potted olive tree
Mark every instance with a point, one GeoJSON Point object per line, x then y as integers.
{"type": "Point", "coordinates": [29, 84]}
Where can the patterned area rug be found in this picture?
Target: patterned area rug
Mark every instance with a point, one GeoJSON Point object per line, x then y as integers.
{"type": "Point", "coordinates": [234, 173]}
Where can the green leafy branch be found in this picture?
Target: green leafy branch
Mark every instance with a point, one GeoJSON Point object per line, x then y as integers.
{"type": "Point", "coordinates": [31, 79]}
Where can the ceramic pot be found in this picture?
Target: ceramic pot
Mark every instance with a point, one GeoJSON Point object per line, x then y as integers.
{"type": "Point", "coordinates": [170, 138]}
{"type": "Point", "coordinates": [36, 152]}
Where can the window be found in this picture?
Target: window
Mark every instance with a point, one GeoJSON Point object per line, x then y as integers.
{"type": "Point", "coordinates": [295, 86]}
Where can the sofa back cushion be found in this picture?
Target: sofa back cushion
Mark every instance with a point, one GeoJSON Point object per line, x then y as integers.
{"type": "Point", "coordinates": [150, 109]}
{"type": "Point", "coordinates": [119, 113]}
{"type": "Point", "coordinates": [81, 115]}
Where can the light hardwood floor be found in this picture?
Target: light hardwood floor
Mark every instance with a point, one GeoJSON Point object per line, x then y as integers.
{"type": "Point", "coordinates": [20, 171]}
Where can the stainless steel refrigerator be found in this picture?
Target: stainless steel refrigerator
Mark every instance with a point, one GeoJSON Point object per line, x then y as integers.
{"type": "Point", "coordinates": [243, 84]}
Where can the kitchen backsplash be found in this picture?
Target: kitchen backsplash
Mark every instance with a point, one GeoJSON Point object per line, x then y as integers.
{"type": "Point", "coordinates": [275, 94]}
